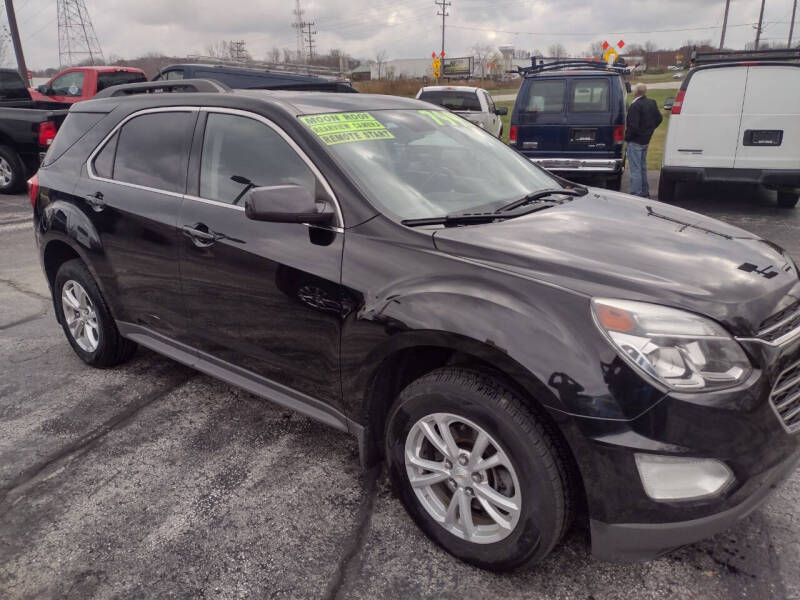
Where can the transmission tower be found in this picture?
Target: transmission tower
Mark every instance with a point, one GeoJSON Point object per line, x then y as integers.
{"type": "Point", "coordinates": [299, 25]}
{"type": "Point", "coordinates": [77, 40]}
{"type": "Point", "coordinates": [310, 38]}
{"type": "Point", "coordinates": [238, 50]}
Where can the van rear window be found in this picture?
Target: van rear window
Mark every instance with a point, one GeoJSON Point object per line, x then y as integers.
{"type": "Point", "coordinates": [589, 95]}
{"type": "Point", "coordinates": [546, 96]}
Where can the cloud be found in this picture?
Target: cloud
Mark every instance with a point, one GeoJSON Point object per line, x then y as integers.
{"type": "Point", "coordinates": [404, 29]}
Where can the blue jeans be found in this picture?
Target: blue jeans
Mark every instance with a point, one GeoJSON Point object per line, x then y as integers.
{"type": "Point", "coordinates": [637, 160]}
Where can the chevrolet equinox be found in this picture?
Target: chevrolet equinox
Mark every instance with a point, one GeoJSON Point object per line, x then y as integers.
{"type": "Point", "coordinates": [516, 348]}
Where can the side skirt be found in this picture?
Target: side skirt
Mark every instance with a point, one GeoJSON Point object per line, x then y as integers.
{"type": "Point", "coordinates": [247, 380]}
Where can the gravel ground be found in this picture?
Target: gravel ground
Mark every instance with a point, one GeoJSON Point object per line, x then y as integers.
{"type": "Point", "coordinates": [152, 480]}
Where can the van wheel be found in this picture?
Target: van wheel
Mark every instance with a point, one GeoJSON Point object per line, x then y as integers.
{"type": "Point", "coordinates": [12, 171]}
{"type": "Point", "coordinates": [476, 469]}
{"type": "Point", "coordinates": [666, 188]}
{"type": "Point", "coordinates": [85, 318]}
{"type": "Point", "coordinates": [614, 183]}
{"type": "Point", "coordinates": [787, 199]}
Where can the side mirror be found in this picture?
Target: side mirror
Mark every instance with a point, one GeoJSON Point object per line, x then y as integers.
{"type": "Point", "coordinates": [285, 204]}
{"type": "Point", "coordinates": [503, 110]}
{"type": "Point", "coordinates": [628, 86]}
{"type": "Point", "coordinates": [44, 90]}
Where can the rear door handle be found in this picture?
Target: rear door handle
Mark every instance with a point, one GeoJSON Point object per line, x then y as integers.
{"type": "Point", "coordinates": [96, 201]}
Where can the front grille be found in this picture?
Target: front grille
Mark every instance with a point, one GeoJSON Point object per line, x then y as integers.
{"type": "Point", "coordinates": [781, 324]}
{"type": "Point", "coordinates": [785, 398]}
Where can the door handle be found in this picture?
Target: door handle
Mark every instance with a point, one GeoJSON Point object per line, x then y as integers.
{"type": "Point", "coordinates": [96, 201]}
{"type": "Point", "coordinates": [201, 237]}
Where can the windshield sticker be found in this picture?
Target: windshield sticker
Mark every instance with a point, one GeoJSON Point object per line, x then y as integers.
{"type": "Point", "coordinates": [444, 118]}
{"type": "Point", "coordinates": [341, 128]}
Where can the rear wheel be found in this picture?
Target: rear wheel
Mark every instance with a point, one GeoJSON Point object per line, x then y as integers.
{"type": "Point", "coordinates": [85, 318]}
{"type": "Point", "coordinates": [12, 171]}
{"type": "Point", "coordinates": [666, 188]}
{"type": "Point", "coordinates": [476, 469]}
{"type": "Point", "coordinates": [787, 199]}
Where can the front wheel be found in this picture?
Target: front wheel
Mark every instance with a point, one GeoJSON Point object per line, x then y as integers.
{"type": "Point", "coordinates": [787, 199]}
{"type": "Point", "coordinates": [477, 470]}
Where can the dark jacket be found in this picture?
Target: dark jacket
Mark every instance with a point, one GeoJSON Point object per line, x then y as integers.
{"type": "Point", "coordinates": [643, 119]}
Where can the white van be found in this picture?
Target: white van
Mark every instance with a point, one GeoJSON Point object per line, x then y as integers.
{"type": "Point", "coordinates": [737, 120]}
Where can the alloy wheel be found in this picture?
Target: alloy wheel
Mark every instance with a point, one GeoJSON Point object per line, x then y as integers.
{"type": "Point", "coordinates": [463, 478]}
{"type": "Point", "coordinates": [80, 315]}
{"type": "Point", "coordinates": [6, 175]}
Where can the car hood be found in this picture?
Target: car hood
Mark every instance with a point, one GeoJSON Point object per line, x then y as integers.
{"type": "Point", "coordinates": [607, 244]}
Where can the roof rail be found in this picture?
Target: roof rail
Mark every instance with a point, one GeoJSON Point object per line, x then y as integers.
{"type": "Point", "coordinates": [256, 65]}
{"type": "Point", "coordinates": [205, 86]}
{"type": "Point", "coordinates": [569, 63]}
{"type": "Point", "coordinates": [734, 56]}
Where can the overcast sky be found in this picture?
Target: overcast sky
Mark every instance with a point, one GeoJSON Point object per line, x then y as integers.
{"type": "Point", "coordinates": [409, 29]}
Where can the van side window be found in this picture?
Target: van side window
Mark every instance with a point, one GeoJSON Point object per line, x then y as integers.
{"type": "Point", "coordinates": [240, 153]}
{"type": "Point", "coordinates": [546, 96]}
{"type": "Point", "coordinates": [152, 150]}
{"type": "Point", "coordinates": [589, 95]}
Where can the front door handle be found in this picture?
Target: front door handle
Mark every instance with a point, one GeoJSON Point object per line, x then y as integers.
{"type": "Point", "coordinates": [96, 201]}
{"type": "Point", "coordinates": [200, 234]}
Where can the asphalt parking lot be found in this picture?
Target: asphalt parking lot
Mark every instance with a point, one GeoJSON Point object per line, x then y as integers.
{"type": "Point", "coordinates": [152, 480]}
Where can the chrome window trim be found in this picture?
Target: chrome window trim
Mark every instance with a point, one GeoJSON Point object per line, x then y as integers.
{"type": "Point", "coordinates": [339, 228]}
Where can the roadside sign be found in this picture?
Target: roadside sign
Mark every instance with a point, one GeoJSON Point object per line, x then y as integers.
{"type": "Point", "coordinates": [457, 67]}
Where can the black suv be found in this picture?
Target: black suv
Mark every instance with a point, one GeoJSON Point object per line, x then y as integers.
{"type": "Point", "coordinates": [518, 349]}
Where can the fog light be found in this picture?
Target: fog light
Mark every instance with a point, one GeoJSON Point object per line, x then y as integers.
{"type": "Point", "coordinates": [677, 478]}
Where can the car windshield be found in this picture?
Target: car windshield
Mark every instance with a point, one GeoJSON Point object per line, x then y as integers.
{"type": "Point", "coordinates": [425, 163]}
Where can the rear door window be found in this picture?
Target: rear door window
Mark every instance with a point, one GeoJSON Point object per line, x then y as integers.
{"type": "Point", "coordinates": [152, 150]}
{"type": "Point", "coordinates": [546, 96]}
{"type": "Point", "coordinates": [453, 100]}
{"type": "Point", "coordinates": [589, 95]}
{"type": "Point", "coordinates": [106, 80]}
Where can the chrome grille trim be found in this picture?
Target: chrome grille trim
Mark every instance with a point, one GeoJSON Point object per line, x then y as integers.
{"type": "Point", "coordinates": [783, 327]}
{"type": "Point", "coordinates": [785, 398]}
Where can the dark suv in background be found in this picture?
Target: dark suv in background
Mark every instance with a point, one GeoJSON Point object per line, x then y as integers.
{"type": "Point", "coordinates": [518, 349]}
{"type": "Point", "coordinates": [569, 117]}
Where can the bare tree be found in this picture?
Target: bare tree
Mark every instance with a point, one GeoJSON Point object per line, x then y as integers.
{"type": "Point", "coordinates": [380, 59]}
{"type": "Point", "coordinates": [596, 50]}
{"type": "Point", "coordinates": [480, 52]}
{"type": "Point", "coordinates": [274, 55]}
{"type": "Point", "coordinates": [288, 55]}
{"type": "Point", "coordinates": [557, 51]}
{"type": "Point", "coordinates": [219, 49]}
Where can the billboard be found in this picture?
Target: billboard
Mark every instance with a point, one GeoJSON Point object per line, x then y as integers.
{"type": "Point", "coordinates": [457, 67]}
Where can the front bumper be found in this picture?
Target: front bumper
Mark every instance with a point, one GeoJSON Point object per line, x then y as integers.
{"type": "Point", "coordinates": [580, 165]}
{"type": "Point", "coordinates": [630, 542]}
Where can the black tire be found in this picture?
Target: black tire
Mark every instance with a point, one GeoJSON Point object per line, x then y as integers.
{"type": "Point", "coordinates": [16, 182]}
{"type": "Point", "coordinates": [614, 183]}
{"type": "Point", "coordinates": [787, 199]}
{"type": "Point", "coordinates": [546, 497]}
{"type": "Point", "coordinates": [666, 188]}
{"type": "Point", "coordinates": [112, 349]}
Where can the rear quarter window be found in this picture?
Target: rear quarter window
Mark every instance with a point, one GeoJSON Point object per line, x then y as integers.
{"type": "Point", "coordinates": [74, 127]}
{"type": "Point", "coordinates": [545, 96]}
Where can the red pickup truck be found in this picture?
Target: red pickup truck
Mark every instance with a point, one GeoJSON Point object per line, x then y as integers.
{"type": "Point", "coordinates": [81, 83]}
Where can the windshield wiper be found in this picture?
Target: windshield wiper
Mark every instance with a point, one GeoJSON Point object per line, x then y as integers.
{"type": "Point", "coordinates": [469, 218]}
{"type": "Point", "coordinates": [541, 194]}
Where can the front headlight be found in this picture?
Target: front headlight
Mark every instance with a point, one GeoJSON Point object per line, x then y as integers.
{"type": "Point", "coordinates": [682, 350]}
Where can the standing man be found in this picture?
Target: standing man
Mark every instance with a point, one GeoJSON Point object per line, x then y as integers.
{"type": "Point", "coordinates": [643, 119]}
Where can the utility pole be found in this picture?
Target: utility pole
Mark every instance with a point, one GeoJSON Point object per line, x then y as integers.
{"type": "Point", "coordinates": [14, 31]}
{"type": "Point", "coordinates": [760, 23]}
{"type": "Point", "coordinates": [443, 4]}
{"type": "Point", "coordinates": [724, 25]}
{"type": "Point", "coordinates": [310, 38]}
{"type": "Point", "coordinates": [791, 27]}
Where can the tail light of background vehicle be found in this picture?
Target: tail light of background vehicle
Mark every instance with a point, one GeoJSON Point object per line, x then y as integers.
{"type": "Point", "coordinates": [33, 189]}
{"type": "Point", "coordinates": [676, 107]}
{"type": "Point", "coordinates": [512, 134]}
{"type": "Point", "coordinates": [619, 134]}
{"type": "Point", "coordinates": [47, 133]}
